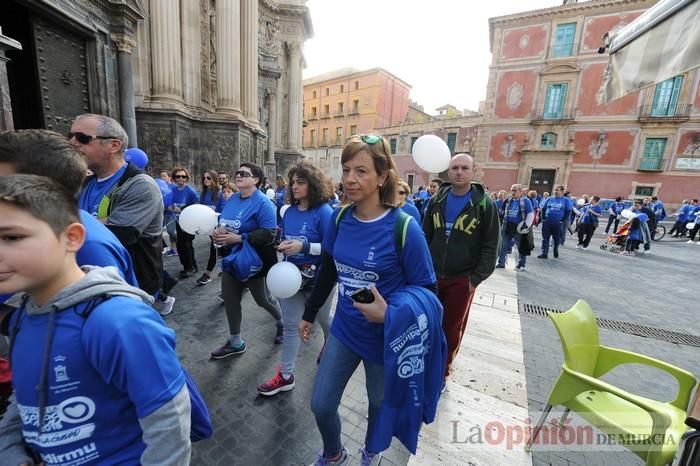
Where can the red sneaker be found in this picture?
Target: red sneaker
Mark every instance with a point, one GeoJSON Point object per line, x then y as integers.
{"type": "Point", "coordinates": [276, 384]}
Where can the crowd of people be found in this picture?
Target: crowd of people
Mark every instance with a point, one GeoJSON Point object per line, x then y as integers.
{"type": "Point", "coordinates": [404, 269]}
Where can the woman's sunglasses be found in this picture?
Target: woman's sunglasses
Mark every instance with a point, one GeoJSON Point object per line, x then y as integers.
{"type": "Point", "coordinates": [184, 177]}
{"type": "Point", "coordinates": [243, 174]}
{"type": "Point", "coordinates": [206, 177]}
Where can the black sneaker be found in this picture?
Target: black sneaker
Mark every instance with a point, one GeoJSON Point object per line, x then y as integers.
{"type": "Point", "coordinates": [279, 335]}
{"type": "Point", "coordinates": [204, 279]}
{"type": "Point", "coordinates": [228, 350]}
{"type": "Point", "coordinates": [556, 254]}
{"type": "Point", "coordinates": [187, 273]}
{"type": "Point", "coordinates": [542, 256]}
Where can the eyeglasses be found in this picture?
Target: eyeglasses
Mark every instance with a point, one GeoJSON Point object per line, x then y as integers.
{"type": "Point", "coordinates": [243, 174]}
{"type": "Point", "coordinates": [85, 139]}
{"type": "Point", "coordinates": [206, 177]}
{"type": "Point", "coordinates": [184, 177]}
{"type": "Point", "coordinates": [403, 193]}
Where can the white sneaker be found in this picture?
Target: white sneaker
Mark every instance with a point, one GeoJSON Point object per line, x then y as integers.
{"type": "Point", "coordinates": [690, 241]}
{"type": "Point", "coordinates": [164, 307]}
{"type": "Point", "coordinates": [578, 246]}
{"type": "Point", "coordinates": [584, 248]}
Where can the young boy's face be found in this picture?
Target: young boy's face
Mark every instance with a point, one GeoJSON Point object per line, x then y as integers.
{"type": "Point", "coordinates": [31, 256]}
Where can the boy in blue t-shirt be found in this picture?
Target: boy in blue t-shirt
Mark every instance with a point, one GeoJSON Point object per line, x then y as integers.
{"type": "Point", "coordinates": [107, 389]}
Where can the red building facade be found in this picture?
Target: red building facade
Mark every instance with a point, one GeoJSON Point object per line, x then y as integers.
{"type": "Point", "coordinates": [542, 124]}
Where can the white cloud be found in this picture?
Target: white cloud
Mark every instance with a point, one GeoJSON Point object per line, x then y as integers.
{"type": "Point", "coordinates": [440, 47]}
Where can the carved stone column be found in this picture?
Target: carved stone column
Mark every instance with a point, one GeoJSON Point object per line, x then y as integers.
{"type": "Point", "coordinates": [271, 128]}
{"type": "Point", "coordinates": [6, 44]}
{"type": "Point", "coordinates": [295, 92]}
{"type": "Point", "coordinates": [165, 50]}
{"type": "Point", "coordinates": [249, 59]}
{"type": "Point", "coordinates": [125, 46]}
{"type": "Point", "coordinates": [228, 55]}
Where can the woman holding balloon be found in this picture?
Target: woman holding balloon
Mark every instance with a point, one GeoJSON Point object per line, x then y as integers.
{"type": "Point", "coordinates": [211, 196]}
{"type": "Point", "coordinates": [303, 224]}
{"type": "Point", "coordinates": [184, 195]}
{"type": "Point", "coordinates": [247, 216]}
{"type": "Point", "coordinates": [361, 253]}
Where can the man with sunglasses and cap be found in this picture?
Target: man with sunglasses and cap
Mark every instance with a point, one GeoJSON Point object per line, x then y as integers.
{"type": "Point", "coordinates": [121, 196]}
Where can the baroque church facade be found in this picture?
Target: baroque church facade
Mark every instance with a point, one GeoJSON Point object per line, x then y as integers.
{"type": "Point", "coordinates": [196, 83]}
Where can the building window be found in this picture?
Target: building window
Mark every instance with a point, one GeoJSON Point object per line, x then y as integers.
{"type": "Point", "coordinates": [356, 105]}
{"type": "Point", "coordinates": [342, 88]}
{"type": "Point", "coordinates": [353, 130]}
{"type": "Point", "coordinates": [338, 135]}
{"type": "Point", "coordinates": [312, 137]}
{"type": "Point", "coordinates": [326, 110]}
{"type": "Point", "coordinates": [325, 137]}
{"type": "Point", "coordinates": [564, 40]}
{"type": "Point", "coordinates": [313, 112]}
{"type": "Point", "coordinates": [666, 97]}
{"type": "Point", "coordinates": [653, 154]}
{"type": "Point", "coordinates": [357, 85]}
{"type": "Point", "coordinates": [452, 141]}
{"type": "Point", "coordinates": [328, 91]}
{"type": "Point", "coordinates": [410, 179]}
{"type": "Point", "coordinates": [392, 145]}
{"type": "Point", "coordinates": [413, 141]}
{"type": "Point", "coordinates": [643, 191]}
{"type": "Point", "coordinates": [314, 95]}
{"type": "Point", "coordinates": [340, 107]}
{"type": "Point", "coordinates": [554, 101]}
{"type": "Point", "coordinates": [548, 140]}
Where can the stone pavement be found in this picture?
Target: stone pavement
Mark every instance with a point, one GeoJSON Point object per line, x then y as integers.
{"type": "Point", "coordinates": [657, 290]}
{"type": "Point", "coordinates": [488, 385]}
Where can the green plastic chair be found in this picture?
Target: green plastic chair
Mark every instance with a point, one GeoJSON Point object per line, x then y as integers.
{"type": "Point", "coordinates": [630, 419]}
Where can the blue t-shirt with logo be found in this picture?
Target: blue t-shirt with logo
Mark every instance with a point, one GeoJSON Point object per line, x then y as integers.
{"type": "Point", "coordinates": [555, 209]}
{"type": "Point", "coordinates": [514, 214]}
{"type": "Point", "coordinates": [453, 207]}
{"type": "Point", "coordinates": [280, 195]}
{"type": "Point", "coordinates": [103, 249]}
{"type": "Point", "coordinates": [306, 226]}
{"type": "Point", "coordinates": [243, 215]}
{"type": "Point", "coordinates": [183, 197]}
{"type": "Point", "coordinates": [92, 193]}
{"type": "Point", "coordinates": [105, 373]}
{"type": "Point", "coordinates": [365, 254]}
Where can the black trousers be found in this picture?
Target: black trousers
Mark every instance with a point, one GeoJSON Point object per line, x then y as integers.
{"type": "Point", "coordinates": [611, 219]}
{"type": "Point", "coordinates": [585, 233]}
{"type": "Point", "coordinates": [185, 249]}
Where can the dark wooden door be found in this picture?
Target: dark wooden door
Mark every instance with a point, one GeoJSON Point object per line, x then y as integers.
{"type": "Point", "coordinates": [62, 71]}
{"type": "Point", "coordinates": [542, 180]}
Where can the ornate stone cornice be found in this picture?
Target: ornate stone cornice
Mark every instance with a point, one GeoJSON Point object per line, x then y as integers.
{"type": "Point", "coordinates": [291, 11]}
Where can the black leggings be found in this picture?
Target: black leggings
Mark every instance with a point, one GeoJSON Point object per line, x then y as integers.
{"type": "Point", "coordinates": [232, 290]}
{"type": "Point", "coordinates": [611, 219]}
{"type": "Point", "coordinates": [185, 249]}
{"type": "Point", "coordinates": [694, 231]}
{"type": "Point", "coordinates": [585, 233]}
{"type": "Point", "coordinates": [211, 263]}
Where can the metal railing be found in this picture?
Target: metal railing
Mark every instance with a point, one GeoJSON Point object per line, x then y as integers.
{"type": "Point", "coordinates": [563, 50]}
{"type": "Point", "coordinates": [651, 164]}
{"type": "Point", "coordinates": [652, 112]}
{"type": "Point", "coordinates": [541, 115]}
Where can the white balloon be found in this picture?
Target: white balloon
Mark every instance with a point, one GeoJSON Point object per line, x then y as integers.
{"type": "Point", "coordinates": [581, 201]}
{"type": "Point", "coordinates": [283, 209]}
{"type": "Point", "coordinates": [270, 193]}
{"type": "Point", "coordinates": [283, 280]}
{"type": "Point", "coordinates": [431, 153]}
{"type": "Point", "coordinates": [690, 226]}
{"type": "Point", "coordinates": [627, 213]}
{"type": "Point", "coordinates": [198, 219]}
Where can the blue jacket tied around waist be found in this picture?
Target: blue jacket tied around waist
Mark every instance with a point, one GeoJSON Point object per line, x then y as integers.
{"type": "Point", "coordinates": [415, 353]}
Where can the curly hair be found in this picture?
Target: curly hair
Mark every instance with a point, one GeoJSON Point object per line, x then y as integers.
{"type": "Point", "coordinates": [319, 187]}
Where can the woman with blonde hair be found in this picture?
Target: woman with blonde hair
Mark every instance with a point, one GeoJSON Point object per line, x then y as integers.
{"type": "Point", "coordinates": [405, 202]}
{"type": "Point", "coordinates": [360, 254]}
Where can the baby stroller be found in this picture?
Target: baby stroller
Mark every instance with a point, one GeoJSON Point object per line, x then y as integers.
{"type": "Point", "coordinates": [616, 242]}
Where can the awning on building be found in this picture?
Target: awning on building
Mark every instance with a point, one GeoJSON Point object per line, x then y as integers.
{"type": "Point", "coordinates": [660, 44]}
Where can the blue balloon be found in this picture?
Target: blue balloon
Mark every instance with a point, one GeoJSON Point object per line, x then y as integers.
{"type": "Point", "coordinates": [137, 157]}
{"type": "Point", "coordinates": [166, 191]}
{"type": "Point", "coordinates": [643, 217]}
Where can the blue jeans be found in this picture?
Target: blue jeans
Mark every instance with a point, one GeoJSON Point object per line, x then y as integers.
{"type": "Point", "coordinates": [338, 363]}
{"type": "Point", "coordinates": [550, 230]}
{"type": "Point", "coordinates": [507, 242]}
{"type": "Point", "coordinates": [292, 310]}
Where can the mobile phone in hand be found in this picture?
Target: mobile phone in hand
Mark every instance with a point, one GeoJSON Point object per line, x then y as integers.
{"type": "Point", "coordinates": [362, 295]}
